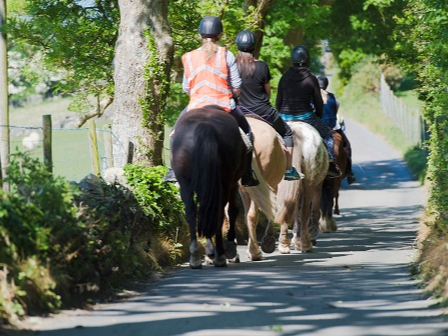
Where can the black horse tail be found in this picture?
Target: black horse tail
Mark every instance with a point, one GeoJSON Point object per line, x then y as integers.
{"type": "Point", "coordinates": [206, 180]}
{"type": "Point", "coordinates": [326, 201]}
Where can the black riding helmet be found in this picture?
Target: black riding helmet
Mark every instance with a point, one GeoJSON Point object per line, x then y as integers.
{"type": "Point", "coordinates": [245, 41]}
{"type": "Point", "coordinates": [323, 82]}
{"type": "Point", "coordinates": [300, 56]}
{"type": "Point", "coordinates": [210, 26]}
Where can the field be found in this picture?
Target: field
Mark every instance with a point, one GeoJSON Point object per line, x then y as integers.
{"type": "Point", "coordinates": [71, 147]}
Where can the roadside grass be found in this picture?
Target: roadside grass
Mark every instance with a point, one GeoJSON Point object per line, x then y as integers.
{"type": "Point", "coordinates": [71, 150]}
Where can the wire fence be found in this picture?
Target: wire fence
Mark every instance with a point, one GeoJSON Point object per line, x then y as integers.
{"type": "Point", "coordinates": [408, 120]}
{"type": "Point", "coordinates": [73, 154]}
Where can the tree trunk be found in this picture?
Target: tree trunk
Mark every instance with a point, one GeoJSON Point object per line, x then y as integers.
{"type": "Point", "coordinates": [263, 7]}
{"type": "Point", "coordinates": [143, 59]}
{"type": "Point", "coordinates": [4, 107]}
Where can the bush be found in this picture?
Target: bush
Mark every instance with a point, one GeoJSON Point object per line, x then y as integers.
{"type": "Point", "coordinates": [59, 240]}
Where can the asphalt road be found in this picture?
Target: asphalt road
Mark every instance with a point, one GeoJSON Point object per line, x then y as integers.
{"type": "Point", "coordinates": [357, 282]}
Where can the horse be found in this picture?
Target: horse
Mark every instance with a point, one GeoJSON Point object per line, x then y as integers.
{"type": "Point", "coordinates": [299, 201]}
{"type": "Point", "coordinates": [269, 163]}
{"type": "Point", "coordinates": [330, 191]}
{"type": "Point", "coordinates": [208, 159]}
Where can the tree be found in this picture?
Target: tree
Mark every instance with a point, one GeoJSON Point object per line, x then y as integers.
{"type": "Point", "coordinates": [73, 38]}
{"type": "Point", "coordinates": [4, 113]}
{"type": "Point", "coordinates": [359, 28]}
{"type": "Point", "coordinates": [142, 65]}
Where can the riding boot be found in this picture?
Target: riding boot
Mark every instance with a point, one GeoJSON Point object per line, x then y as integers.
{"type": "Point", "coordinates": [334, 170]}
{"type": "Point", "coordinates": [249, 179]}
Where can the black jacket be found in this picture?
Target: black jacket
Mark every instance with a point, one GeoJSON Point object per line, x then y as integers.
{"type": "Point", "coordinates": [299, 92]}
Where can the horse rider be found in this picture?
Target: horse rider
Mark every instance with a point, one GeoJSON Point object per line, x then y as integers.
{"type": "Point", "coordinates": [211, 77]}
{"type": "Point", "coordinates": [255, 94]}
{"type": "Point", "coordinates": [330, 118]}
{"type": "Point", "coordinates": [299, 99]}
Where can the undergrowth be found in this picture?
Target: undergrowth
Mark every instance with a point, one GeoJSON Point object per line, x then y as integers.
{"type": "Point", "coordinates": [63, 244]}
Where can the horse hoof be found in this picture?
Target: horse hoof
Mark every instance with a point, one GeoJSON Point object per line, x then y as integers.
{"type": "Point", "coordinates": [314, 242]}
{"type": "Point", "coordinates": [230, 249]}
{"type": "Point", "coordinates": [195, 263]}
{"type": "Point", "coordinates": [208, 260]}
{"type": "Point", "coordinates": [221, 261]}
{"type": "Point", "coordinates": [255, 256]}
{"type": "Point", "coordinates": [284, 249]}
{"type": "Point", "coordinates": [235, 260]}
{"type": "Point", "coordinates": [307, 248]}
{"type": "Point", "coordinates": [268, 244]}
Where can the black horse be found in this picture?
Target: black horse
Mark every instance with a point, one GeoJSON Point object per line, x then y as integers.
{"type": "Point", "coordinates": [208, 158]}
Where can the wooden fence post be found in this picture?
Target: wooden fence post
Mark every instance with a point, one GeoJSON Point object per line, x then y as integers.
{"type": "Point", "coordinates": [94, 148]}
{"type": "Point", "coordinates": [107, 136]}
{"type": "Point", "coordinates": [48, 156]}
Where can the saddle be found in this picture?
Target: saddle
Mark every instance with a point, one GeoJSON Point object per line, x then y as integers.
{"type": "Point", "coordinates": [279, 137]}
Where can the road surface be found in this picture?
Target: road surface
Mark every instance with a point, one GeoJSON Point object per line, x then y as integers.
{"type": "Point", "coordinates": [357, 282]}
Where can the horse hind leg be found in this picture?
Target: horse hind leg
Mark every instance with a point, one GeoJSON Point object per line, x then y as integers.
{"type": "Point", "coordinates": [336, 205]}
{"type": "Point", "coordinates": [253, 249]}
{"type": "Point", "coordinates": [209, 252]}
{"type": "Point", "coordinates": [220, 257]}
{"type": "Point", "coordinates": [303, 242]}
{"type": "Point", "coordinates": [230, 246]}
{"type": "Point", "coordinates": [191, 212]}
{"type": "Point", "coordinates": [268, 240]}
{"type": "Point", "coordinates": [195, 255]}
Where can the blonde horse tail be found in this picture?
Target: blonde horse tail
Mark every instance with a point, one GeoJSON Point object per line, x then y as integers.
{"type": "Point", "coordinates": [263, 195]}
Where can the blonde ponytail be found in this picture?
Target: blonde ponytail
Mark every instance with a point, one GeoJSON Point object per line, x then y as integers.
{"type": "Point", "coordinates": [209, 47]}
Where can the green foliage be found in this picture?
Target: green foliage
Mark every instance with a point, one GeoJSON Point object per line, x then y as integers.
{"type": "Point", "coordinates": [287, 24]}
{"type": "Point", "coordinates": [159, 200]}
{"type": "Point", "coordinates": [38, 205]}
{"type": "Point", "coordinates": [417, 162]}
{"type": "Point", "coordinates": [421, 45]}
{"type": "Point", "coordinates": [358, 28]}
{"type": "Point", "coordinates": [70, 39]}
{"type": "Point", "coordinates": [58, 240]}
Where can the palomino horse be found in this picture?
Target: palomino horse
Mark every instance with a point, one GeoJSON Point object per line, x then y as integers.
{"type": "Point", "coordinates": [269, 163]}
{"type": "Point", "coordinates": [301, 203]}
{"type": "Point", "coordinates": [208, 158]}
{"type": "Point", "coordinates": [330, 191]}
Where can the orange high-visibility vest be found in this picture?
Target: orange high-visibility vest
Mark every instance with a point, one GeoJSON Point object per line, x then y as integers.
{"type": "Point", "coordinates": [207, 80]}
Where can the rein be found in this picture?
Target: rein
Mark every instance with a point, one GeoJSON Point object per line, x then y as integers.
{"type": "Point", "coordinates": [256, 116]}
{"type": "Point", "coordinates": [252, 113]}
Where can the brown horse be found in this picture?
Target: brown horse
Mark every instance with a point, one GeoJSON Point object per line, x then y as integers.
{"type": "Point", "coordinates": [269, 163]}
{"type": "Point", "coordinates": [299, 201]}
{"type": "Point", "coordinates": [330, 191]}
{"type": "Point", "coordinates": [208, 158]}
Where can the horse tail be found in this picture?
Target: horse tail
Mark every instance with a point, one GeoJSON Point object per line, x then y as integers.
{"type": "Point", "coordinates": [206, 180]}
{"type": "Point", "coordinates": [263, 195]}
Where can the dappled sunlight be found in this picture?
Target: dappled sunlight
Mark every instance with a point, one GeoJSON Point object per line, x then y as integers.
{"type": "Point", "coordinates": [355, 282]}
